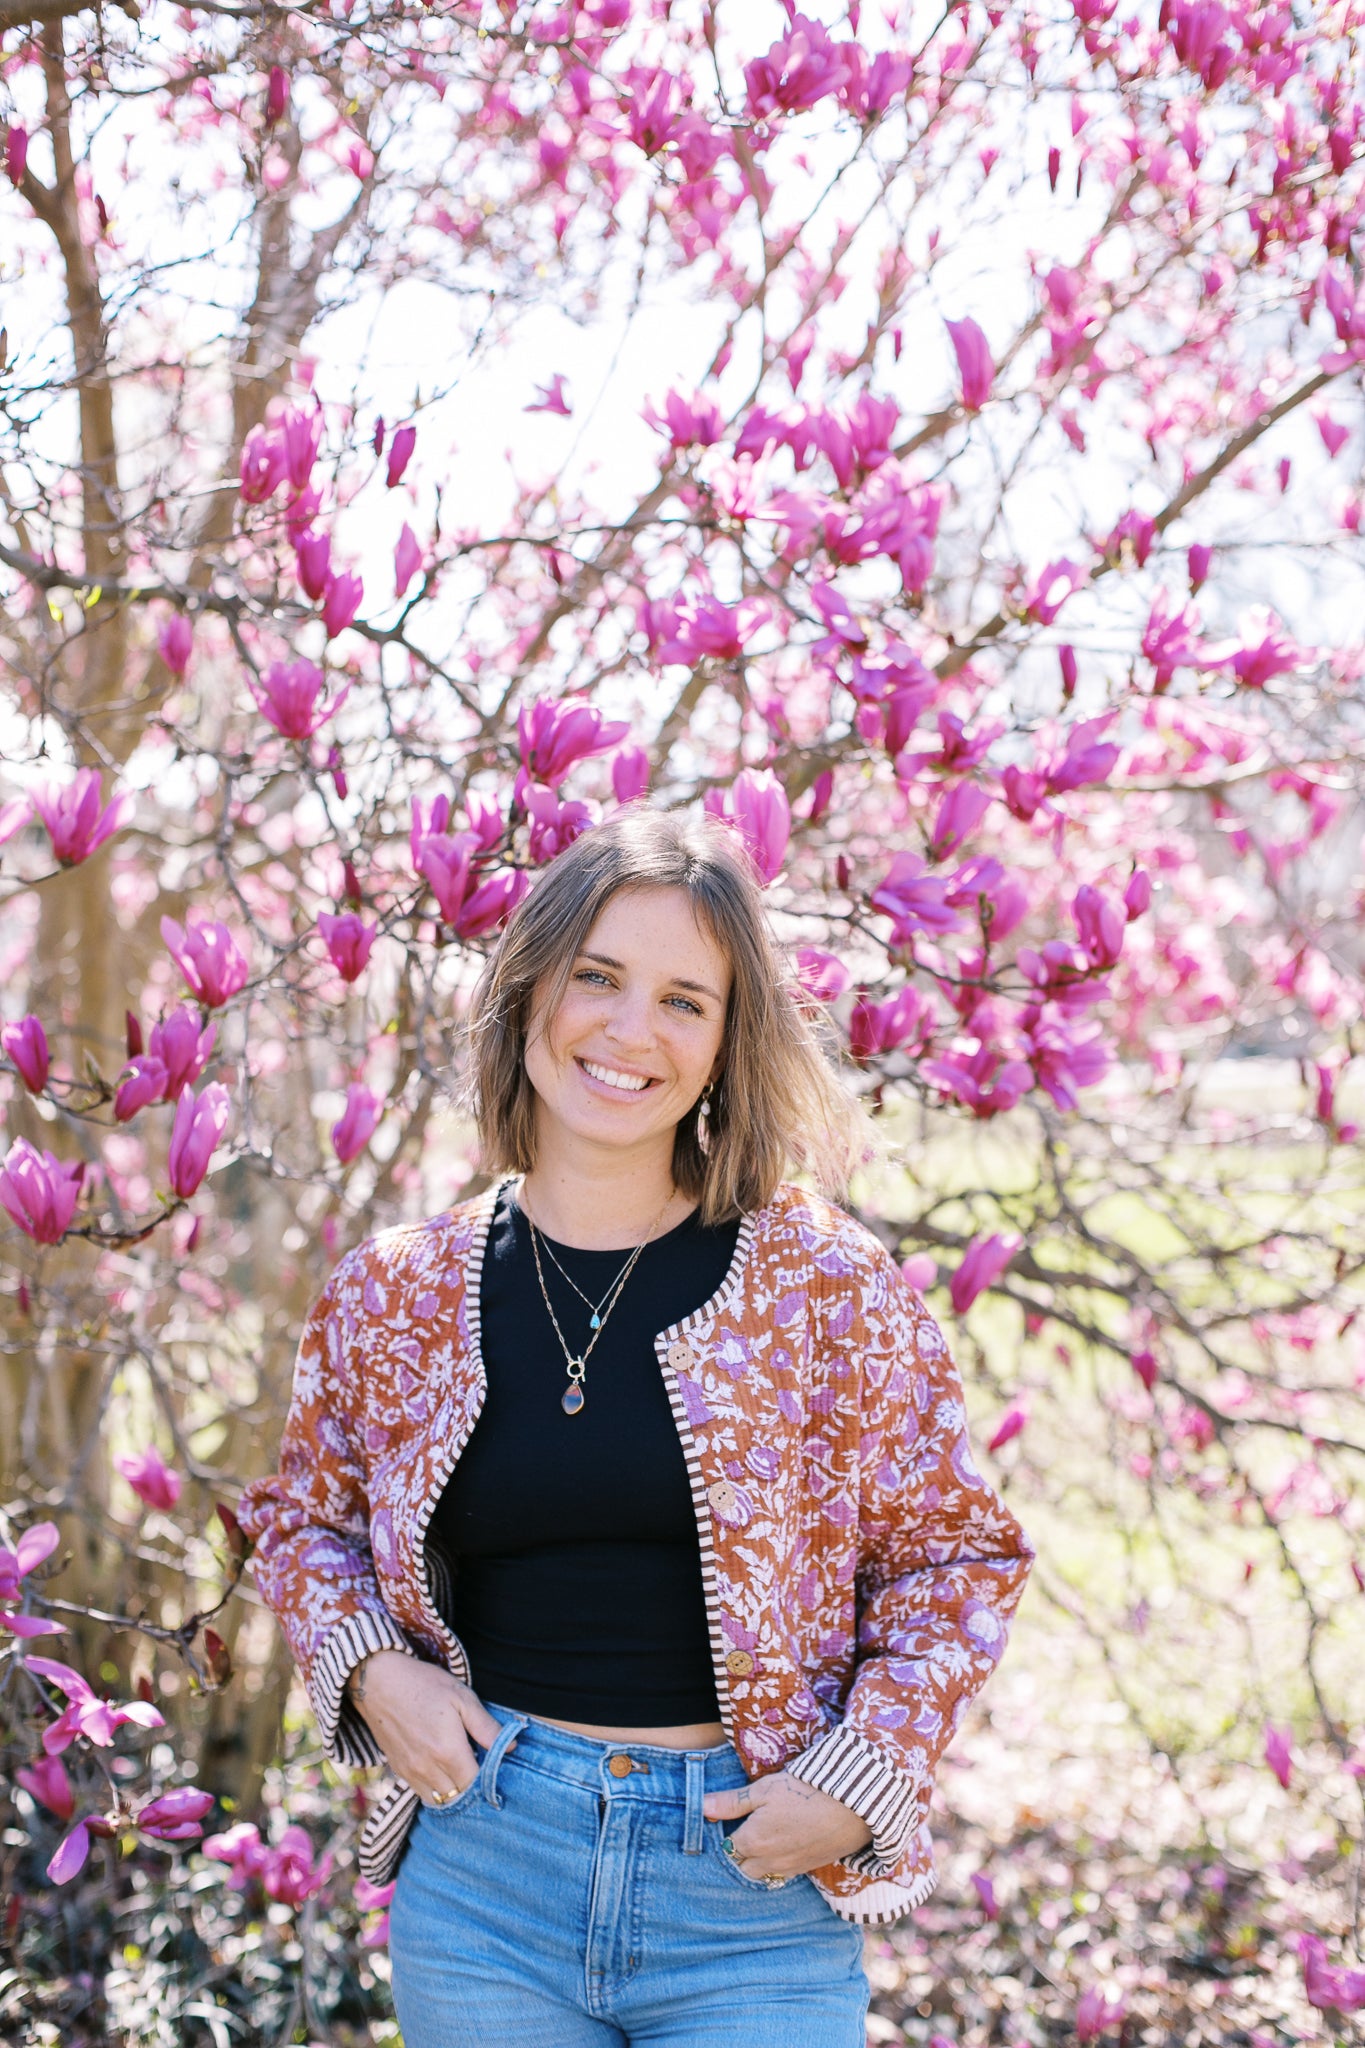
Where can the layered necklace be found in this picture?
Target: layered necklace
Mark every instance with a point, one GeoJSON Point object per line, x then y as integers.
{"type": "Point", "coordinates": [573, 1397]}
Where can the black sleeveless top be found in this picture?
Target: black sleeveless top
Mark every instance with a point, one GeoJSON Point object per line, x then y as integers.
{"type": "Point", "coordinates": [572, 1539]}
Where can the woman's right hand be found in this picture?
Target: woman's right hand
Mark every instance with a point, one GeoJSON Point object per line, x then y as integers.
{"type": "Point", "coordinates": [423, 1720]}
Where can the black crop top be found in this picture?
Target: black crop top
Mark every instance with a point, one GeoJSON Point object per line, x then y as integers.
{"type": "Point", "coordinates": [572, 1540]}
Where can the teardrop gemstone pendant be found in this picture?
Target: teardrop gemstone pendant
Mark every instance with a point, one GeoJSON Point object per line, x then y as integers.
{"type": "Point", "coordinates": [594, 1321]}
{"type": "Point", "coordinates": [571, 1400]}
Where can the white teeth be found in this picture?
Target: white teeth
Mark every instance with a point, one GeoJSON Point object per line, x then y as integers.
{"type": "Point", "coordinates": [633, 1083]}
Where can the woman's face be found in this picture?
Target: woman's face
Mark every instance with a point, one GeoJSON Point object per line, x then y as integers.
{"type": "Point", "coordinates": [638, 1032]}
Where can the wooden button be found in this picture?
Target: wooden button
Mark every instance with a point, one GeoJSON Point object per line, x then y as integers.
{"type": "Point", "coordinates": [739, 1663]}
{"type": "Point", "coordinates": [620, 1766]}
{"type": "Point", "coordinates": [723, 1497]}
{"type": "Point", "coordinates": [679, 1355]}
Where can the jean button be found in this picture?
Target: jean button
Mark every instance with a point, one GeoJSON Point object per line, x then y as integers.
{"type": "Point", "coordinates": [620, 1766]}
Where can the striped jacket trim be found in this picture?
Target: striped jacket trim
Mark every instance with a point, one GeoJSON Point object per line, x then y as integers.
{"type": "Point", "coordinates": [847, 1766]}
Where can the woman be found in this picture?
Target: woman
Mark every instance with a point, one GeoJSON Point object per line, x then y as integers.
{"type": "Point", "coordinates": [626, 1511]}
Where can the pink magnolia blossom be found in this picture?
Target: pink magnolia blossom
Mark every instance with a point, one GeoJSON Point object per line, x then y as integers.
{"type": "Point", "coordinates": [694, 422]}
{"type": "Point", "coordinates": [313, 555]}
{"type": "Point", "coordinates": [1095, 2014]}
{"type": "Point", "coordinates": [77, 819]}
{"type": "Point", "coordinates": [341, 603]}
{"type": "Point", "coordinates": [34, 1547]}
{"type": "Point", "coordinates": [144, 1081]}
{"type": "Point", "coordinates": [1329, 1989]}
{"type": "Point", "coordinates": [86, 1715]}
{"type": "Point", "coordinates": [176, 1816]}
{"type": "Point", "coordinates": [16, 152]}
{"type": "Point", "coordinates": [1100, 926]}
{"type": "Point", "coordinates": [290, 697]}
{"type": "Point", "coordinates": [1277, 1752]}
{"type": "Point", "coordinates": [555, 823]}
{"type": "Point", "coordinates": [1137, 896]}
{"type": "Point", "coordinates": [400, 454]}
{"type": "Point", "coordinates": [276, 95]}
{"type": "Point", "coordinates": [199, 1125]}
{"type": "Point", "coordinates": [289, 1873]}
{"type": "Point", "coordinates": [488, 906]}
{"type": "Point", "coordinates": [629, 773]}
{"type": "Point", "coordinates": [357, 1124]}
{"type": "Point", "coordinates": [39, 1192]}
{"type": "Point", "coordinates": [183, 1046]}
{"type": "Point", "coordinates": [762, 815]}
{"type": "Point", "coordinates": [1051, 588]}
{"type": "Point", "coordinates": [553, 734]}
{"type": "Point", "coordinates": [982, 887]}
{"type": "Point", "coordinates": [705, 629]}
{"type": "Point", "coordinates": [151, 1479]}
{"type": "Point", "coordinates": [209, 957]}
{"type": "Point", "coordinates": [1259, 661]}
{"type": "Point", "coordinates": [914, 900]}
{"type": "Point", "coordinates": [1335, 434]}
{"type": "Point", "coordinates": [550, 398]}
{"type": "Point", "coordinates": [1064, 1056]}
{"type": "Point", "coordinates": [985, 1891]}
{"type": "Point", "coordinates": [975, 365]}
{"type": "Point", "coordinates": [13, 815]}
{"type": "Point", "coordinates": [242, 1850]}
{"type": "Point", "coordinates": [445, 861]}
{"type": "Point", "coordinates": [1083, 759]}
{"type": "Point", "coordinates": [25, 1046]}
{"type": "Point", "coordinates": [959, 813]}
{"type": "Point", "coordinates": [175, 643]}
{"type": "Point", "coordinates": [407, 559]}
{"type": "Point", "coordinates": [300, 436]}
{"type": "Point", "coordinates": [876, 1028]}
{"type": "Point", "coordinates": [822, 975]}
{"type": "Point", "coordinates": [919, 1271]}
{"type": "Point", "coordinates": [799, 69]}
{"type": "Point", "coordinates": [263, 467]}
{"type": "Point", "coordinates": [1197, 559]}
{"type": "Point", "coordinates": [348, 940]}
{"type": "Point", "coordinates": [985, 1080]}
{"type": "Point", "coordinates": [45, 1780]}
{"type": "Point", "coordinates": [1011, 1424]}
{"type": "Point", "coordinates": [984, 1260]}
{"type": "Point", "coordinates": [374, 1898]}
{"type": "Point", "coordinates": [69, 1858]}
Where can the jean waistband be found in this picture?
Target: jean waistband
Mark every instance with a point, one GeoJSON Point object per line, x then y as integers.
{"type": "Point", "coordinates": [620, 1770]}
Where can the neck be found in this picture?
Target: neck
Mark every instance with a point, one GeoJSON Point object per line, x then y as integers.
{"type": "Point", "coordinates": [602, 1204]}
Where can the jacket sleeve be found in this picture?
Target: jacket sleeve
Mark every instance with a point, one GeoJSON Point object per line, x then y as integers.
{"type": "Point", "coordinates": [941, 1568]}
{"type": "Point", "coordinates": [310, 1525]}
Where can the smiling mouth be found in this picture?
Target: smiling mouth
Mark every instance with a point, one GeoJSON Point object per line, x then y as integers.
{"type": "Point", "coordinates": [611, 1077]}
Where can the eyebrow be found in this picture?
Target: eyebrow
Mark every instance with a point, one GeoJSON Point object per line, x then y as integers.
{"type": "Point", "coordinates": [679, 981]}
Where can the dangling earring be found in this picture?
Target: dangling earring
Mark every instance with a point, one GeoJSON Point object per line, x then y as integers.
{"type": "Point", "coordinates": [704, 1106]}
{"type": "Point", "coordinates": [704, 1119]}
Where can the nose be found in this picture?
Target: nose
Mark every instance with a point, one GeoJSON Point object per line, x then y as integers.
{"type": "Point", "coordinates": [630, 1023]}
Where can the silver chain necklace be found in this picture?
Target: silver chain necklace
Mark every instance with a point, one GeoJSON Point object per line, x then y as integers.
{"type": "Point", "coordinates": [573, 1397]}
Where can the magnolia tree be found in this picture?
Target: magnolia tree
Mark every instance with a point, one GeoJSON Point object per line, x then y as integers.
{"type": "Point", "coordinates": [987, 553]}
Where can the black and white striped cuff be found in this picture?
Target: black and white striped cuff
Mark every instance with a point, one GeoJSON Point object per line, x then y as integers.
{"type": "Point", "coordinates": [891, 1800]}
{"type": "Point", "coordinates": [345, 1735]}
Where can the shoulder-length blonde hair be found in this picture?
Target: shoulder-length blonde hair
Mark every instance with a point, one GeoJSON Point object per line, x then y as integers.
{"type": "Point", "coordinates": [777, 1102]}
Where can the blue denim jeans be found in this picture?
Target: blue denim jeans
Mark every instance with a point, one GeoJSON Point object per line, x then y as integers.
{"type": "Point", "coordinates": [565, 1901]}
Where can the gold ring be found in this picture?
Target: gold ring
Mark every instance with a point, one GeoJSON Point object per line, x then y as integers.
{"type": "Point", "coordinates": [444, 1798]}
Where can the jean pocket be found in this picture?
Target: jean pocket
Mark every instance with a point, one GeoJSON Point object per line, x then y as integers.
{"type": "Point", "coordinates": [444, 1808]}
{"type": "Point", "coordinates": [723, 1832]}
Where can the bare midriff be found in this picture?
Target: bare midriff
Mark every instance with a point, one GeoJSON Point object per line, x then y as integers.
{"type": "Point", "coordinates": [697, 1735]}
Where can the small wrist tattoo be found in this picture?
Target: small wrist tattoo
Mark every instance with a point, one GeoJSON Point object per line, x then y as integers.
{"type": "Point", "coordinates": [355, 1684]}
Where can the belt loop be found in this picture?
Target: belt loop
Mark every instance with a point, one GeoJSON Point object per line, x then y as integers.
{"type": "Point", "coordinates": [693, 1818]}
{"type": "Point", "coordinates": [492, 1763]}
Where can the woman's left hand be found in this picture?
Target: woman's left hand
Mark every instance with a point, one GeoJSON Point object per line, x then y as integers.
{"type": "Point", "coordinates": [789, 1826]}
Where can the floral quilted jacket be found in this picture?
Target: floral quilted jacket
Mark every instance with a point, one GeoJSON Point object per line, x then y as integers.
{"type": "Point", "coordinates": [859, 1572]}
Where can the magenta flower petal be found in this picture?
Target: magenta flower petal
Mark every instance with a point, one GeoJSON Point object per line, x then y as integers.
{"type": "Point", "coordinates": [70, 1855]}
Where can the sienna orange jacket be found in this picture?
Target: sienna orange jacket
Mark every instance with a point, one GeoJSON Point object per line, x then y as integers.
{"type": "Point", "coordinates": [859, 1572]}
